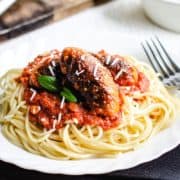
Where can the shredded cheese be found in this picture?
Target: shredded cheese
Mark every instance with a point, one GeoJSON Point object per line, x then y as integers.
{"type": "Point", "coordinates": [51, 70]}
{"type": "Point", "coordinates": [62, 102]}
{"type": "Point", "coordinates": [59, 117]}
{"type": "Point", "coordinates": [119, 74]}
{"type": "Point", "coordinates": [115, 61]}
{"type": "Point", "coordinates": [39, 108]}
{"type": "Point", "coordinates": [43, 119]}
{"type": "Point", "coordinates": [79, 72]}
{"type": "Point", "coordinates": [33, 94]}
{"type": "Point", "coordinates": [54, 124]}
{"type": "Point", "coordinates": [108, 59]}
{"type": "Point", "coordinates": [95, 70]}
{"type": "Point", "coordinates": [53, 63]}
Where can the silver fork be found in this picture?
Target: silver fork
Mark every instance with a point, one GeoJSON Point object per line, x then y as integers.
{"type": "Point", "coordinates": [161, 62]}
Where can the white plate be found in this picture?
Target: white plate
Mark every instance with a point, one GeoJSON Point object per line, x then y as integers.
{"type": "Point", "coordinates": [17, 53]}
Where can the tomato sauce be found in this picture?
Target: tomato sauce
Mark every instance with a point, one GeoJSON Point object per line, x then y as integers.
{"type": "Point", "coordinates": [45, 108]}
{"type": "Point", "coordinates": [49, 111]}
{"type": "Point", "coordinates": [131, 82]}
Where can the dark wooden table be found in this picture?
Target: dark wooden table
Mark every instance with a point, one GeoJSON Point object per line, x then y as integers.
{"type": "Point", "coordinates": [166, 167]}
{"type": "Point", "coordinates": [27, 15]}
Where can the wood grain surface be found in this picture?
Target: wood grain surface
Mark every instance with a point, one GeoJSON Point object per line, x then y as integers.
{"type": "Point", "coordinates": [26, 15]}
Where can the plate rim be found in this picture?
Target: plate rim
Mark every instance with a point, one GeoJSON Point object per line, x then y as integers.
{"type": "Point", "coordinates": [25, 165]}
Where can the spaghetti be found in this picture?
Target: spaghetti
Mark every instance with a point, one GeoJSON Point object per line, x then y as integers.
{"type": "Point", "coordinates": [143, 114]}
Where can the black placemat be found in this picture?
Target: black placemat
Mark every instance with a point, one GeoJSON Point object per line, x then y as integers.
{"type": "Point", "coordinates": [167, 167]}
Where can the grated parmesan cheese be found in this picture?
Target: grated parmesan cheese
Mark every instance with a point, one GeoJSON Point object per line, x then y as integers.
{"type": "Point", "coordinates": [119, 73]}
{"type": "Point", "coordinates": [51, 70]}
{"type": "Point", "coordinates": [115, 61]}
{"type": "Point", "coordinates": [43, 119]}
{"type": "Point", "coordinates": [79, 72]}
{"type": "Point", "coordinates": [95, 70]}
{"type": "Point", "coordinates": [108, 59]}
{"type": "Point", "coordinates": [59, 117]}
{"type": "Point", "coordinates": [62, 102]}
{"type": "Point", "coordinates": [53, 63]}
{"type": "Point", "coordinates": [33, 94]}
{"type": "Point", "coordinates": [54, 124]}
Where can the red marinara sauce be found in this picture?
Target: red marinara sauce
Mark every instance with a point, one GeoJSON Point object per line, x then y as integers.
{"type": "Point", "coordinates": [132, 80]}
{"type": "Point", "coordinates": [46, 108]}
{"type": "Point", "coordinates": [52, 112]}
{"type": "Point", "coordinates": [125, 74]}
{"type": "Point", "coordinates": [129, 87]}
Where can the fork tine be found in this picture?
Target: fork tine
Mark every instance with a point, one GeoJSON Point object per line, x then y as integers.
{"type": "Point", "coordinates": [176, 68]}
{"type": "Point", "coordinates": [150, 60]}
{"type": "Point", "coordinates": [173, 80]}
{"type": "Point", "coordinates": [169, 70]}
{"type": "Point", "coordinates": [157, 61]}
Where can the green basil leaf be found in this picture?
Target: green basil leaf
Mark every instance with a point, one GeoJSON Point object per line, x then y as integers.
{"type": "Point", "coordinates": [69, 96]}
{"type": "Point", "coordinates": [48, 82]}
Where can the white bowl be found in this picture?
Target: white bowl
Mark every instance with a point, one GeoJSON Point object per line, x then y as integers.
{"type": "Point", "coordinates": [165, 13]}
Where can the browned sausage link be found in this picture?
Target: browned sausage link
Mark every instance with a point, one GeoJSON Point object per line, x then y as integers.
{"type": "Point", "coordinates": [113, 62]}
{"type": "Point", "coordinates": [119, 67]}
{"type": "Point", "coordinates": [94, 81]}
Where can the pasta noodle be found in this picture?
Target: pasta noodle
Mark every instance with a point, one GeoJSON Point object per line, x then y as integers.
{"type": "Point", "coordinates": [144, 115]}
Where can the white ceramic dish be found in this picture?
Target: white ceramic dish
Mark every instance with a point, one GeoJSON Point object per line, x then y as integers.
{"type": "Point", "coordinates": [17, 54]}
{"type": "Point", "coordinates": [165, 13]}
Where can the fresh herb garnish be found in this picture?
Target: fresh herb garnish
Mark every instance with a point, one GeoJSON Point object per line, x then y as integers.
{"type": "Point", "coordinates": [69, 96]}
{"type": "Point", "coordinates": [48, 82]}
